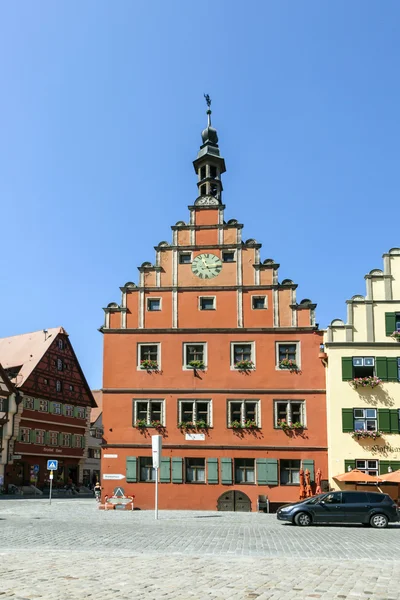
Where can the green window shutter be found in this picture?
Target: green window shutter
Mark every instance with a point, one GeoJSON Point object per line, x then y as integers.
{"type": "Point", "coordinates": [32, 436]}
{"type": "Point", "coordinates": [347, 368]}
{"type": "Point", "coordinates": [390, 322]}
{"type": "Point", "coordinates": [381, 368]}
{"type": "Point", "coordinates": [347, 420]}
{"type": "Point", "coordinates": [165, 470]}
{"type": "Point", "coordinates": [309, 464]}
{"type": "Point", "coordinates": [226, 471]}
{"type": "Point", "coordinates": [63, 411]}
{"type": "Point", "coordinates": [76, 411]}
{"type": "Point", "coordinates": [212, 470]}
{"type": "Point", "coordinates": [36, 403]}
{"type": "Point", "coordinates": [394, 420]}
{"type": "Point", "coordinates": [395, 464]}
{"type": "Point", "coordinates": [73, 436]}
{"type": "Point", "coordinates": [47, 437]}
{"type": "Point", "coordinates": [131, 475]}
{"type": "Point", "coordinates": [392, 369]}
{"type": "Point", "coordinates": [384, 419]}
{"type": "Point", "coordinates": [177, 469]}
{"type": "Point", "coordinates": [384, 466]}
{"type": "Point", "coordinates": [349, 463]}
{"type": "Point", "coordinates": [83, 441]}
{"type": "Point", "coordinates": [51, 408]}
{"type": "Point", "coordinates": [272, 471]}
{"type": "Point", "coordinates": [261, 467]}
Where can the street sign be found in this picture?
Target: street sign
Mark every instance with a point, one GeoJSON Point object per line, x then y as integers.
{"type": "Point", "coordinates": [113, 476]}
{"type": "Point", "coordinates": [36, 469]}
{"type": "Point", "coordinates": [52, 465]}
{"type": "Point", "coordinates": [156, 445]}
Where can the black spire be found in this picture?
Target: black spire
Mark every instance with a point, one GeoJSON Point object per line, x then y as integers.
{"type": "Point", "coordinates": [209, 164]}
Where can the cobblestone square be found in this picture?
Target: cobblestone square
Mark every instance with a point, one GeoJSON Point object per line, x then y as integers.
{"type": "Point", "coordinates": [70, 550]}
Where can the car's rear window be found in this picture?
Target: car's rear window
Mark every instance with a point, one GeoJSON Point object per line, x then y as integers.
{"type": "Point", "coordinates": [376, 498]}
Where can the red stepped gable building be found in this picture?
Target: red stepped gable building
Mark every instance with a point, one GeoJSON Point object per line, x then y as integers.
{"type": "Point", "coordinates": [52, 410]}
{"type": "Point", "coordinates": [210, 350]}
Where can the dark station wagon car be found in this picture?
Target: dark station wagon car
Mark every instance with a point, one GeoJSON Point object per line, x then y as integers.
{"type": "Point", "coordinates": [368, 508]}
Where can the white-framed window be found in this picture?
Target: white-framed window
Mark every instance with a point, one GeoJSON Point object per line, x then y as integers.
{"type": "Point", "coordinates": [94, 453]}
{"type": "Point", "coordinates": [243, 411]}
{"type": "Point", "coordinates": [243, 353]}
{"type": "Point", "coordinates": [185, 258]}
{"type": "Point", "coordinates": [148, 411]}
{"type": "Point", "coordinates": [65, 440]}
{"type": "Point", "coordinates": [99, 433]}
{"type": "Point", "coordinates": [368, 466]}
{"type": "Point", "coordinates": [228, 256]}
{"type": "Point", "coordinates": [60, 344]}
{"type": "Point", "coordinates": [45, 381]}
{"type": "Point", "coordinates": [287, 351]}
{"type": "Point", "coordinates": [149, 356]}
{"type": "Point", "coordinates": [57, 408]}
{"type": "Point", "coordinates": [69, 410]}
{"type": "Point", "coordinates": [244, 470]}
{"type": "Point", "coordinates": [53, 438]}
{"type": "Point", "coordinates": [3, 404]}
{"type": "Point", "coordinates": [77, 441]}
{"type": "Point", "coordinates": [58, 385]}
{"type": "Point", "coordinates": [289, 472]}
{"type": "Point", "coordinates": [289, 411]}
{"type": "Point", "coordinates": [195, 469]}
{"type": "Point", "coordinates": [207, 303]}
{"type": "Point", "coordinates": [153, 304]}
{"type": "Point", "coordinates": [194, 354]}
{"type": "Point", "coordinates": [71, 387]}
{"type": "Point", "coordinates": [363, 366]}
{"type": "Point", "coordinates": [60, 364]}
{"type": "Point", "coordinates": [44, 405]}
{"type": "Point", "coordinates": [146, 471]}
{"type": "Point", "coordinates": [39, 436]}
{"type": "Point", "coordinates": [259, 302]}
{"type": "Point", "coordinates": [365, 419]}
{"type": "Point", "coordinates": [195, 411]}
{"type": "Point", "coordinates": [81, 412]}
{"type": "Point", "coordinates": [25, 435]}
{"type": "Point", "coordinates": [29, 403]}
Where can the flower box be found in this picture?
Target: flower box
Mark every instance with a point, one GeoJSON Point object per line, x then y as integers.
{"type": "Point", "coordinates": [141, 424]}
{"type": "Point", "coordinates": [289, 364]}
{"type": "Point", "coordinates": [244, 365]}
{"type": "Point", "coordinates": [249, 425]}
{"type": "Point", "coordinates": [366, 435]}
{"type": "Point", "coordinates": [197, 365]}
{"type": "Point", "coordinates": [185, 425]}
{"type": "Point", "coordinates": [396, 336]}
{"type": "Point", "coordinates": [149, 365]}
{"type": "Point", "coordinates": [285, 426]}
{"type": "Point", "coordinates": [362, 382]}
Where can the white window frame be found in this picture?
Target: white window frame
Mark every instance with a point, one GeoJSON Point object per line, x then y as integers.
{"type": "Point", "coordinates": [139, 346]}
{"type": "Point", "coordinates": [65, 436]}
{"type": "Point", "coordinates": [284, 343]}
{"type": "Point", "coordinates": [149, 298]}
{"type": "Point", "coordinates": [213, 298]}
{"type": "Point", "coordinates": [243, 402]}
{"type": "Point", "coordinates": [228, 250]}
{"type": "Point", "coordinates": [83, 412]}
{"type": "Point", "coordinates": [289, 419]}
{"type": "Point", "coordinates": [259, 296]}
{"type": "Point", "coordinates": [205, 355]}
{"type": "Point", "coordinates": [26, 432]}
{"type": "Point", "coordinates": [29, 401]}
{"type": "Point", "coordinates": [95, 451]}
{"type": "Point", "coordinates": [371, 359]}
{"type": "Point", "coordinates": [60, 344]}
{"type": "Point", "coordinates": [60, 364]}
{"type": "Point", "coordinates": [43, 432]}
{"type": "Point", "coordinates": [148, 418]}
{"type": "Point", "coordinates": [77, 441]}
{"type": "Point", "coordinates": [253, 353]}
{"type": "Point", "coordinates": [57, 404]}
{"type": "Point", "coordinates": [244, 482]}
{"type": "Point", "coordinates": [186, 253]}
{"type": "Point", "coordinates": [50, 434]}
{"type": "Point", "coordinates": [67, 409]}
{"type": "Point", "coordinates": [194, 402]}
{"type": "Point", "coordinates": [195, 468]}
{"type": "Point", "coordinates": [3, 404]}
{"type": "Point", "coordinates": [59, 385]}
{"type": "Point", "coordinates": [46, 404]}
{"type": "Point", "coordinates": [362, 465]}
{"type": "Point", "coordinates": [150, 466]}
{"type": "Point", "coordinates": [364, 418]}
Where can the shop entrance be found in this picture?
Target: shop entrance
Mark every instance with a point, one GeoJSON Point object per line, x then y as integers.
{"type": "Point", "coordinates": [73, 474]}
{"type": "Point", "coordinates": [234, 501]}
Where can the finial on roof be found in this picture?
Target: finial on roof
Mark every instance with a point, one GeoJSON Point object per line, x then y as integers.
{"type": "Point", "coordinates": [208, 100]}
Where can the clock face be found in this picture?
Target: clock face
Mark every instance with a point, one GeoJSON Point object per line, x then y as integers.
{"type": "Point", "coordinates": [206, 266]}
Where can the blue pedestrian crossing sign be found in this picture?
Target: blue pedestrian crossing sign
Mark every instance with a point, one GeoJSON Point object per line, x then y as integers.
{"type": "Point", "coordinates": [52, 465]}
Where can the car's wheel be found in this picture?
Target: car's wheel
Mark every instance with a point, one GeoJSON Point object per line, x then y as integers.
{"type": "Point", "coordinates": [303, 519]}
{"type": "Point", "coordinates": [379, 521]}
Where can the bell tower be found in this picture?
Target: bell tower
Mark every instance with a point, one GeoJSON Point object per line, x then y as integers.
{"type": "Point", "coordinates": [209, 165]}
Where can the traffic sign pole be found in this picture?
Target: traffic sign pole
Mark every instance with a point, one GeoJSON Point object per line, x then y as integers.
{"type": "Point", "coordinates": [156, 447]}
{"type": "Point", "coordinates": [51, 485]}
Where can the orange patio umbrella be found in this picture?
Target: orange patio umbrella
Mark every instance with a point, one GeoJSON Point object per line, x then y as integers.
{"type": "Point", "coordinates": [318, 478]}
{"type": "Point", "coordinates": [356, 476]}
{"type": "Point", "coordinates": [302, 490]}
{"type": "Point", "coordinates": [393, 477]}
{"type": "Point", "coordinates": [308, 484]}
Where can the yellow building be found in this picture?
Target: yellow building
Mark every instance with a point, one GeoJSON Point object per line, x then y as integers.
{"type": "Point", "coordinates": [363, 374]}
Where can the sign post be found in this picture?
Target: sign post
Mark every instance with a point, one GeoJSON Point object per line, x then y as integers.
{"type": "Point", "coordinates": [52, 465]}
{"type": "Point", "coordinates": [156, 446]}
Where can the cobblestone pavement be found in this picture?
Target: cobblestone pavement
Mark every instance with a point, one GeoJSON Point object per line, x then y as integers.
{"type": "Point", "coordinates": [70, 550]}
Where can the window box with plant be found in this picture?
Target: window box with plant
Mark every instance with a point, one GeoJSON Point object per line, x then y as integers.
{"type": "Point", "coordinates": [186, 425]}
{"type": "Point", "coordinates": [244, 365]}
{"type": "Point", "coordinates": [242, 356]}
{"type": "Point", "coordinates": [286, 426]}
{"type": "Point", "coordinates": [362, 382]}
{"type": "Point", "coordinates": [197, 365]}
{"type": "Point", "coordinates": [396, 336]}
{"type": "Point", "coordinates": [194, 414]}
{"type": "Point", "coordinates": [360, 434]}
{"type": "Point", "coordinates": [289, 364]}
{"type": "Point", "coordinates": [288, 357]}
{"type": "Point", "coordinates": [148, 364]}
{"type": "Point", "coordinates": [243, 415]}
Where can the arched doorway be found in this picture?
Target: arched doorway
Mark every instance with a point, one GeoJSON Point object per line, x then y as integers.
{"type": "Point", "coordinates": [235, 501]}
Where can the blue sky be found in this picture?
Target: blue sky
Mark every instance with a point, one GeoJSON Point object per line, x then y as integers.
{"type": "Point", "coordinates": [101, 111]}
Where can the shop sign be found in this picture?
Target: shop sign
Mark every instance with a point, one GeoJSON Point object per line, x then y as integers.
{"type": "Point", "coordinates": [195, 437]}
{"type": "Point", "coordinates": [384, 449]}
{"type": "Point", "coordinates": [110, 455]}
